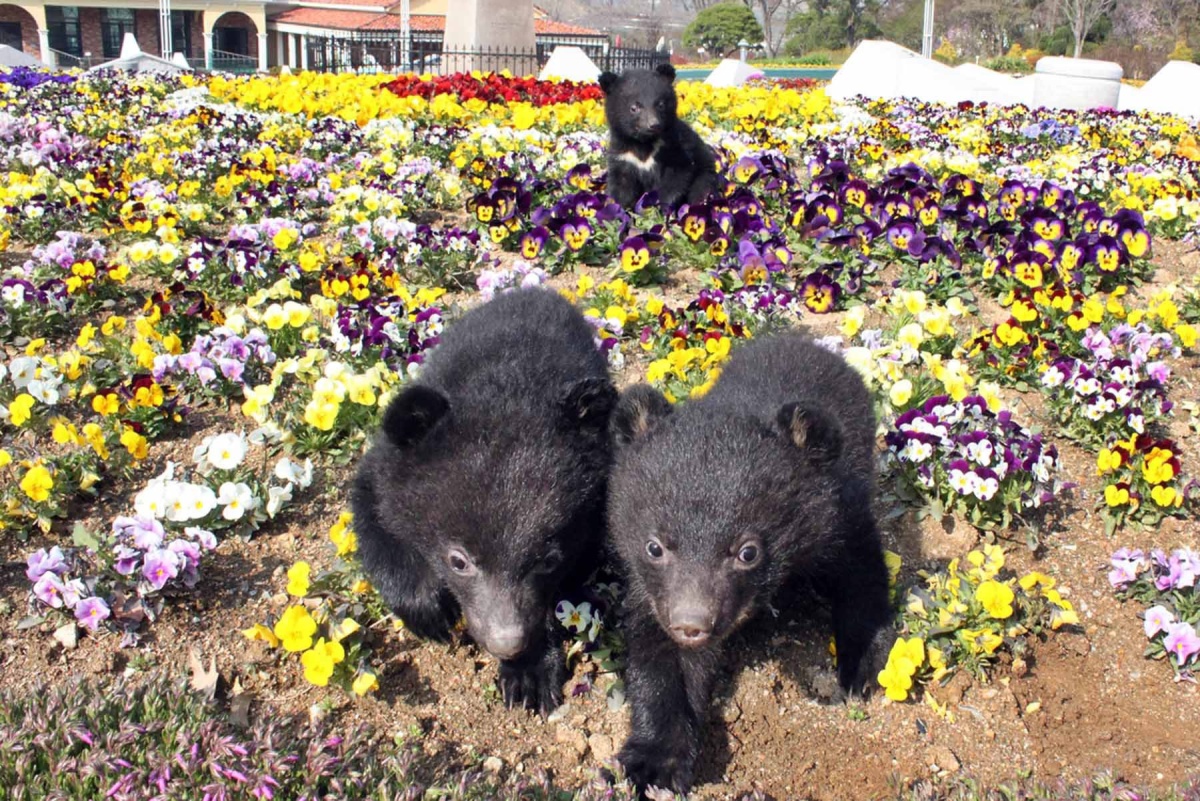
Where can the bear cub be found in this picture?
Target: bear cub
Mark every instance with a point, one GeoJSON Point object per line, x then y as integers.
{"type": "Point", "coordinates": [485, 491]}
{"type": "Point", "coordinates": [650, 148]}
{"type": "Point", "coordinates": [713, 506]}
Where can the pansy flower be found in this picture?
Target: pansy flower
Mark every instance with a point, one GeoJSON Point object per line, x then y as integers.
{"type": "Point", "coordinates": [695, 222]}
{"type": "Point", "coordinates": [533, 242]}
{"type": "Point", "coordinates": [820, 293]}
{"type": "Point", "coordinates": [634, 254]}
{"type": "Point", "coordinates": [575, 233]}
{"type": "Point", "coordinates": [747, 169]}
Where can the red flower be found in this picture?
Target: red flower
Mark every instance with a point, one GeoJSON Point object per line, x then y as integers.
{"type": "Point", "coordinates": [493, 88]}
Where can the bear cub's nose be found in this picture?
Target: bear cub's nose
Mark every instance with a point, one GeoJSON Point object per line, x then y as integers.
{"type": "Point", "coordinates": [507, 642]}
{"type": "Point", "coordinates": [691, 626]}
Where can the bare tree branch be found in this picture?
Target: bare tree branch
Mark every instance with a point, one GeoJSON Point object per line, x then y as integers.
{"type": "Point", "coordinates": [1081, 15]}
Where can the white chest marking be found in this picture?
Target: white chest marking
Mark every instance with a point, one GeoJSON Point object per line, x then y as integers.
{"type": "Point", "coordinates": [645, 165]}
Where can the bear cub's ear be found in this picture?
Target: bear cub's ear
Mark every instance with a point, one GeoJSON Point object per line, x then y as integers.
{"type": "Point", "coordinates": [666, 71]}
{"type": "Point", "coordinates": [588, 402]}
{"type": "Point", "coordinates": [639, 409]}
{"type": "Point", "coordinates": [812, 431]}
{"type": "Point", "coordinates": [607, 81]}
{"type": "Point", "coordinates": [412, 413]}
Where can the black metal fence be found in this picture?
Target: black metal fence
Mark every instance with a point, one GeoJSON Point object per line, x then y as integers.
{"type": "Point", "coordinates": [383, 51]}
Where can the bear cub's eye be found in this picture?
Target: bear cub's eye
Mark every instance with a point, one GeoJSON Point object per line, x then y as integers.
{"type": "Point", "coordinates": [635, 108]}
{"type": "Point", "coordinates": [549, 563]}
{"type": "Point", "coordinates": [460, 563]}
{"type": "Point", "coordinates": [749, 554]}
{"type": "Point", "coordinates": [654, 550]}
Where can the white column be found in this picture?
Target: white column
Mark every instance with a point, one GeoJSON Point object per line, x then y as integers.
{"type": "Point", "coordinates": [405, 36]}
{"type": "Point", "coordinates": [262, 52]}
{"type": "Point", "coordinates": [44, 45]}
{"type": "Point", "coordinates": [293, 45]}
{"type": "Point", "coordinates": [208, 48]}
{"type": "Point", "coordinates": [304, 51]}
{"type": "Point", "coordinates": [927, 32]}
{"type": "Point", "coordinates": [281, 48]}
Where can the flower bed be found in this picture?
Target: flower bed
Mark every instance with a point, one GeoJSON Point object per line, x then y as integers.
{"type": "Point", "coordinates": [280, 257]}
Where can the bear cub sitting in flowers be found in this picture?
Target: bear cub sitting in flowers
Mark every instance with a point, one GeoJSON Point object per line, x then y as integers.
{"type": "Point", "coordinates": [485, 492]}
{"type": "Point", "coordinates": [714, 506]}
{"type": "Point", "coordinates": [650, 148]}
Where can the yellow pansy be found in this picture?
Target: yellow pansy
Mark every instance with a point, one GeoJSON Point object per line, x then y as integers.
{"type": "Point", "coordinates": [996, 598]}
{"type": "Point", "coordinates": [295, 629]}
{"type": "Point", "coordinates": [298, 579]}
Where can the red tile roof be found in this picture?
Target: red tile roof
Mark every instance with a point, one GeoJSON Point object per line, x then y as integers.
{"type": "Point", "coordinates": [549, 26]}
{"type": "Point", "coordinates": [381, 5]}
{"type": "Point", "coordinates": [377, 21]}
{"type": "Point", "coordinates": [327, 18]}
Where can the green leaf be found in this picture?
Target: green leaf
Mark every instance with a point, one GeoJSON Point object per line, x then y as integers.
{"type": "Point", "coordinates": [30, 621]}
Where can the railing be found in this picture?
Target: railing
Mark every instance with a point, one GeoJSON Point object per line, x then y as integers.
{"type": "Point", "coordinates": [224, 61]}
{"type": "Point", "coordinates": [383, 51]}
{"type": "Point", "coordinates": [68, 61]}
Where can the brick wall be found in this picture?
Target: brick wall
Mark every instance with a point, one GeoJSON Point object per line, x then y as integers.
{"type": "Point", "coordinates": [197, 35]}
{"type": "Point", "coordinates": [89, 32]}
{"type": "Point", "coordinates": [145, 27]}
{"type": "Point", "coordinates": [29, 31]}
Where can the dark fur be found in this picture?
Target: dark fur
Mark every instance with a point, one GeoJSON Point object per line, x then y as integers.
{"type": "Point", "coordinates": [779, 455]}
{"type": "Point", "coordinates": [641, 109]}
{"type": "Point", "coordinates": [499, 449]}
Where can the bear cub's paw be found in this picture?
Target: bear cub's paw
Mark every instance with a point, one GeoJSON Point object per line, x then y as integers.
{"type": "Point", "coordinates": [432, 618]}
{"type": "Point", "coordinates": [667, 765]}
{"type": "Point", "coordinates": [858, 682]}
{"type": "Point", "coordinates": [533, 683]}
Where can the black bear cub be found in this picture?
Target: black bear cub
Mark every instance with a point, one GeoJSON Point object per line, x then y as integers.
{"type": "Point", "coordinates": [714, 505]}
{"type": "Point", "coordinates": [650, 148]}
{"type": "Point", "coordinates": [485, 490]}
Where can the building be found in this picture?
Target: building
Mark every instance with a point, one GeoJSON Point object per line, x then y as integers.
{"type": "Point", "coordinates": [251, 34]}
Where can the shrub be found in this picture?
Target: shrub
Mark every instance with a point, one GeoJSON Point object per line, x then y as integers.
{"type": "Point", "coordinates": [719, 28]}
{"type": "Point", "coordinates": [1008, 64]}
{"type": "Point", "coordinates": [946, 53]}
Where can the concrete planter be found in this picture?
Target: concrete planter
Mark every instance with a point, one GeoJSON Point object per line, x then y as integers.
{"type": "Point", "coordinates": [1076, 83]}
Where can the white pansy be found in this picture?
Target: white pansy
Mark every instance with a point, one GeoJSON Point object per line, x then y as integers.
{"type": "Point", "coordinates": [237, 500]}
{"type": "Point", "coordinates": [226, 451]}
{"type": "Point", "coordinates": [277, 497]}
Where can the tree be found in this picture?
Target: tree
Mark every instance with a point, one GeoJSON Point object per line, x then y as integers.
{"type": "Point", "coordinates": [1082, 15]}
{"type": "Point", "coordinates": [832, 24]}
{"type": "Point", "coordinates": [718, 29]}
{"type": "Point", "coordinates": [904, 23]}
{"type": "Point", "coordinates": [988, 27]}
{"type": "Point", "coordinates": [768, 9]}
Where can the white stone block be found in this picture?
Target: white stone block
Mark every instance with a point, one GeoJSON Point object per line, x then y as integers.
{"type": "Point", "coordinates": [1077, 83]}
{"type": "Point", "coordinates": [872, 70]}
{"type": "Point", "coordinates": [732, 72]}
{"type": "Point", "coordinates": [129, 47]}
{"type": "Point", "coordinates": [11, 57]}
{"type": "Point", "coordinates": [1173, 90]}
{"type": "Point", "coordinates": [569, 64]}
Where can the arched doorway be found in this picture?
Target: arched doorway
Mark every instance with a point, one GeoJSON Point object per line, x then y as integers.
{"type": "Point", "coordinates": [19, 30]}
{"type": "Point", "coordinates": [236, 34]}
